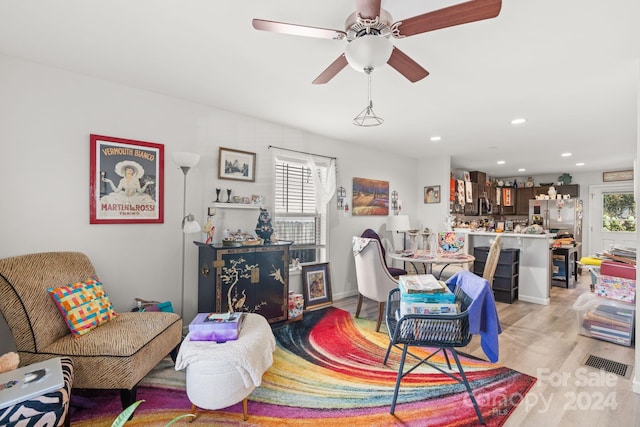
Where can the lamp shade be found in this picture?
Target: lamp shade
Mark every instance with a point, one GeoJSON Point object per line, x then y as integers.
{"type": "Point", "coordinates": [186, 159]}
{"type": "Point", "coordinates": [398, 223]}
{"type": "Point", "coordinates": [368, 52]}
{"type": "Point", "coordinates": [190, 225]}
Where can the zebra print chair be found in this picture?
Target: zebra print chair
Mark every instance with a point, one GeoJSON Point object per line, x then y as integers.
{"type": "Point", "coordinates": [50, 409]}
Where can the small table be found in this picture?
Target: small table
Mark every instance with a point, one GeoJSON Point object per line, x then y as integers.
{"type": "Point", "coordinates": [429, 260]}
{"type": "Point", "coordinates": [568, 258]}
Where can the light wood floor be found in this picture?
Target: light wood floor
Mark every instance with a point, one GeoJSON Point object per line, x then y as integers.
{"type": "Point", "coordinates": [543, 341]}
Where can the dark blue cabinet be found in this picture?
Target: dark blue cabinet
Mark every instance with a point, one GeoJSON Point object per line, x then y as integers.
{"type": "Point", "coordinates": [253, 279]}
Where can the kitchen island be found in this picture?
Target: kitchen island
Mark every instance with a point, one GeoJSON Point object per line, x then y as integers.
{"type": "Point", "coordinates": [535, 261]}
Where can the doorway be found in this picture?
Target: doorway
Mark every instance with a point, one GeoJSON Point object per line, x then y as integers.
{"type": "Point", "coordinates": [612, 217]}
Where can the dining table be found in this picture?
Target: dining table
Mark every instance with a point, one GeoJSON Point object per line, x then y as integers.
{"type": "Point", "coordinates": [429, 260]}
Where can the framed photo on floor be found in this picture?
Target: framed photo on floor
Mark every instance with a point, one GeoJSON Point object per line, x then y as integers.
{"type": "Point", "coordinates": [236, 165]}
{"type": "Point", "coordinates": [316, 284]}
{"type": "Point", "coordinates": [126, 181]}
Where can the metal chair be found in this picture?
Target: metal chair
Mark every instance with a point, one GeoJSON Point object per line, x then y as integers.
{"type": "Point", "coordinates": [443, 331]}
{"type": "Point", "coordinates": [374, 280]}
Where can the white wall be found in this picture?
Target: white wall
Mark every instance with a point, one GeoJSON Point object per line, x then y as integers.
{"type": "Point", "coordinates": [46, 116]}
{"type": "Point", "coordinates": [636, 175]}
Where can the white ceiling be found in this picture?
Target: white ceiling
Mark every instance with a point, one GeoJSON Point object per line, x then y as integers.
{"type": "Point", "coordinates": [569, 66]}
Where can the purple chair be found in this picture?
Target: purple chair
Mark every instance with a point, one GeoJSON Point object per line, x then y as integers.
{"type": "Point", "coordinates": [370, 234]}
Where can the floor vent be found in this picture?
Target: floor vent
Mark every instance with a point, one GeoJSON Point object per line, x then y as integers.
{"type": "Point", "coordinates": [608, 365]}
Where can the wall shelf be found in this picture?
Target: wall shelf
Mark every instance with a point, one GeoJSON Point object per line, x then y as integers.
{"type": "Point", "coordinates": [236, 206]}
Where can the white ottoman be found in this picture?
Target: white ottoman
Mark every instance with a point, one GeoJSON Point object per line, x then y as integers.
{"type": "Point", "coordinates": [221, 375]}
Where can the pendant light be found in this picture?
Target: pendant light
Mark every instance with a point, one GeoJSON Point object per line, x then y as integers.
{"type": "Point", "coordinates": [367, 117]}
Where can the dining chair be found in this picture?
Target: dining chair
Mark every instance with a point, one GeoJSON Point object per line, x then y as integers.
{"type": "Point", "coordinates": [444, 332]}
{"type": "Point", "coordinates": [370, 234]}
{"type": "Point", "coordinates": [492, 260]}
{"type": "Point", "coordinates": [374, 280]}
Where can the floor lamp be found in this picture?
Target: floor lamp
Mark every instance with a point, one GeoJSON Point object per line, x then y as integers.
{"type": "Point", "coordinates": [189, 225]}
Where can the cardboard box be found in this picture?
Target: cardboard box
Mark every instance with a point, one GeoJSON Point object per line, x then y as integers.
{"type": "Point", "coordinates": [427, 308]}
{"type": "Point", "coordinates": [203, 328]}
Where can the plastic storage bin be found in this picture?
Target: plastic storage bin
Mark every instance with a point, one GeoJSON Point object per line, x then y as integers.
{"type": "Point", "coordinates": [605, 319]}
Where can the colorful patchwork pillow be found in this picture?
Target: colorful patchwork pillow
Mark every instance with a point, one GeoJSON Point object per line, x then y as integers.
{"type": "Point", "coordinates": [84, 305]}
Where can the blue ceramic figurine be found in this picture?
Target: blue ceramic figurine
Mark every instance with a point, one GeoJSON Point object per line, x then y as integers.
{"type": "Point", "coordinates": [264, 229]}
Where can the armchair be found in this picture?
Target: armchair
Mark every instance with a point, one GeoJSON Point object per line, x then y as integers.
{"type": "Point", "coordinates": [374, 280]}
{"type": "Point", "coordinates": [114, 355]}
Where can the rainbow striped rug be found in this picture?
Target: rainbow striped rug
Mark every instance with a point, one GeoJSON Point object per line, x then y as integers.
{"type": "Point", "coordinates": [328, 370]}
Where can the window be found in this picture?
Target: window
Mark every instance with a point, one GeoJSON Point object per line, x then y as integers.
{"type": "Point", "coordinates": [296, 218]}
{"type": "Point", "coordinates": [618, 212]}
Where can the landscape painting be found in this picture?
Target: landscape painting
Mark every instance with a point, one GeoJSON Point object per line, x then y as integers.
{"type": "Point", "coordinates": [370, 197]}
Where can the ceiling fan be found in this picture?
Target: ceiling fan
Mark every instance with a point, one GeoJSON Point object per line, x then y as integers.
{"type": "Point", "coordinates": [368, 30]}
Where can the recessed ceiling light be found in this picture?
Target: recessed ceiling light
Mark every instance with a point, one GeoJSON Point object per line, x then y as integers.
{"type": "Point", "coordinates": [580, 164]}
{"type": "Point", "coordinates": [518, 121]}
{"type": "Point", "coordinates": [566, 154]}
{"type": "Point", "coordinates": [501, 162]}
{"type": "Point", "coordinates": [521, 170]}
{"type": "Point", "coordinates": [436, 138]}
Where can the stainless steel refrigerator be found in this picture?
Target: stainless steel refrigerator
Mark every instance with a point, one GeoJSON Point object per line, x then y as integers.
{"type": "Point", "coordinates": [558, 216]}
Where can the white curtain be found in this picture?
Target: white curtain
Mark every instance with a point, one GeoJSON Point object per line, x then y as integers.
{"type": "Point", "coordinates": [325, 188]}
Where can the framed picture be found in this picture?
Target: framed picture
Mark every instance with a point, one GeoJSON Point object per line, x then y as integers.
{"type": "Point", "coordinates": [432, 194]}
{"type": "Point", "coordinates": [126, 181]}
{"type": "Point", "coordinates": [508, 225]}
{"type": "Point", "coordinates": [236, 165]}
{"type": "Point", "coordinates": [316, 284]}
{"type": "Point", "coordinates": [370, 197]}
{"type": "Point", "coordinates": [617, 176]}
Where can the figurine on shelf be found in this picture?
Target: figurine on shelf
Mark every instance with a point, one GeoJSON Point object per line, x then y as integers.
{"type": "Point", "coordinates": [228, 195]}
{"type": "Point", "coordinates": [217, 195]}
{"type": "Point", "coordinates": [209, 230]}
{"type": "Point", "coordinates": [264, 229]}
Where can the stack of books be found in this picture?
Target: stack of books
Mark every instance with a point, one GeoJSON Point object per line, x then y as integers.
{"type": "Point", "coordinates": [424, 294]}
{"type": "Point", "coordinates": [611, 323]}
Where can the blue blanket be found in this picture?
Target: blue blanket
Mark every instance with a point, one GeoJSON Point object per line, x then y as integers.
{"type": "Point", "coordinates": [483, 315]}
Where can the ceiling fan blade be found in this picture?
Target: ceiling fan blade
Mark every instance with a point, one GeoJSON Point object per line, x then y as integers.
{"type": "Point", "coordinates": [333, 69]}
{"type": "Point", "coordinates": [463, 13]}
{"type": "Point", "coordinates": [368, 9]}
{"type": "Point", "coordinates": [298, 30]}
{"type": "Point", "coordinates": [406, 66]}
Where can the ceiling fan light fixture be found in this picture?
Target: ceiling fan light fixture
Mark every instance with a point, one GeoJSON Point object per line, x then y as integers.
{"type": "Point", "coordinates": [369, 51]}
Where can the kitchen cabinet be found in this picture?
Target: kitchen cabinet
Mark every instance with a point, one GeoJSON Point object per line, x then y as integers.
{"type": "Point", "coordinates": [572, 190]}
{"type": "Point", "coordinates": [248, 278]}
{"type": "Point", "coordinates": [523, 195]}
{"type": "Point", "coordinates": [507, 201]}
